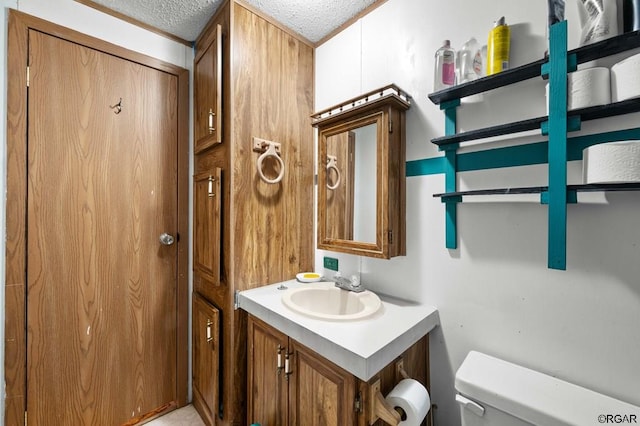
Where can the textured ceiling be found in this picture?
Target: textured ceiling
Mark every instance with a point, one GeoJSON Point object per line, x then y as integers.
{"type": "Point", "coordinates": [313, 19]}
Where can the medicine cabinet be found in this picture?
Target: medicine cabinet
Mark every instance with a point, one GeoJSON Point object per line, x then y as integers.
{"type": "Point", "coordinates": [361, 174]}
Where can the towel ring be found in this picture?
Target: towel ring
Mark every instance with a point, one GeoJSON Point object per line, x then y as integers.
{"type": "Point", "coordinates": [332, 164]}
{"type": "Point", "coordinates": [270, 152]}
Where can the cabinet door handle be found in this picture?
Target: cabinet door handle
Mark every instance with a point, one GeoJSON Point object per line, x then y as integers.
{"type": "Point", "coordinates": [209, 334]}
{"type": "Point", "coordinates": [279, 365]}
{"type": "Point", "coordinates": [210, 192]}
{"type": "Point", "coordinates": [211, 126]}
{"type": "Point", "coordinates": [287, 366]}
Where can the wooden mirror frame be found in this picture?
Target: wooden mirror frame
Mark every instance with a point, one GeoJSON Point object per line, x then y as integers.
{"type": "Point", "coordinates": [386, 108]}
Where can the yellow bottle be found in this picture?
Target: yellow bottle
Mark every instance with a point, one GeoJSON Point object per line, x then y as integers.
{"type": "Point", "coordinates": [498, 47]}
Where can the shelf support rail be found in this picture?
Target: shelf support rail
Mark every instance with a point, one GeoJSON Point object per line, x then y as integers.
{"type": "Point", "coordinates": [450, 171]}
{"type": "Point", "coordinates": [557, 68]}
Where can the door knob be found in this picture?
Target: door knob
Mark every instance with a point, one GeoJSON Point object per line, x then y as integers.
{"type": "Point", "coordinates": [166, 239]}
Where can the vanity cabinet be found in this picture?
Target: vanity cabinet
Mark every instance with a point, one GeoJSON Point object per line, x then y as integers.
{"type": "Point", "coordinates": [206, 353]}
{"type": "Point", "coordinates": [289, 384]}
{"type": "Point", "coordinates": [207, 80]}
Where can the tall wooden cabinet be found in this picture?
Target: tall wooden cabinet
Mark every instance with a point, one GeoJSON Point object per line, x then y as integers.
{"type": "Point", "coordinates": [252, 78]}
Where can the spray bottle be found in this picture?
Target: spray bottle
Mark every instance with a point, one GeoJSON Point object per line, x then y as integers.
{"type": "Point", "coordinates": [498, 47]}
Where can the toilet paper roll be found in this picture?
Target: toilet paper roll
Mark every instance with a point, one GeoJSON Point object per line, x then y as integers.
{"type": "Point", "coordinates": [625, 79]}
{"type": "Point", "coordinates": [412, 398]}
{"type": "Point", "coordinates": [586, 88]}
{"type": "Point", "coordinates": [615, 162]}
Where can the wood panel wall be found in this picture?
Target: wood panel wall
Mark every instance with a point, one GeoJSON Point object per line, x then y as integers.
{"type": "Point", "coordinates": [275, 241]}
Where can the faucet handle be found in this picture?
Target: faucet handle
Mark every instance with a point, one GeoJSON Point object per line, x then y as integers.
{"type": "Point", "coordinates": [355, 281]}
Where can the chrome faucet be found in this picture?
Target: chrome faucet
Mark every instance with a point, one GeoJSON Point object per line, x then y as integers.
{"type": "Point", "coordinates": [352, 284]}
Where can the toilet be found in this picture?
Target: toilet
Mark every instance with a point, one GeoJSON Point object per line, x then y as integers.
{"type": "Point", "coordinates": [493, 392]}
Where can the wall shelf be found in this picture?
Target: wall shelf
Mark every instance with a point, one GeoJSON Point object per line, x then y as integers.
{"type": "Point", "coordinates": [556, 152]}
{"type": "Point", "coordinates": [584, 114]}
{"type": "Point", "coordinates": [603, 187]}
{"type": "Point", "coordinates": [601, 49]}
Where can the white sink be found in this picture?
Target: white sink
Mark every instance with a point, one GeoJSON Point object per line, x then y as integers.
{"type": "Point", "coordinates": [325, 301]}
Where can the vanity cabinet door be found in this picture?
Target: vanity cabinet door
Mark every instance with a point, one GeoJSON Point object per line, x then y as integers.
{"type": "Point", "coordinates": [206, 347]}
{"type": "Point", "coordinates": [297, 388]}
{"type": "Point", "coordinates": [320, 392]}
{"type": "Point", "coordinates": [208, 94]}
{"type": "Point", "coordinates": [206, 224]}
{"type": "Point", "coordinates": [267, 385]}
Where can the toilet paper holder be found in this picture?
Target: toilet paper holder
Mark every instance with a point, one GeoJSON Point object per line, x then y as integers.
{"type": "Point", "coordinates": [379, 408]}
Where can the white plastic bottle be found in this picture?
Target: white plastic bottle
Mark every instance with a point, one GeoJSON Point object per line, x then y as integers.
{"type": "Point", "coordinates": [445, 67]}
{"type": "Point", "coordinates": [466, 61]}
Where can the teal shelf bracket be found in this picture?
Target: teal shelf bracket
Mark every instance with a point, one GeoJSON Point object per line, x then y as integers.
{"type": "Point", "coordinates": [450, 171]}
{"type": "Point", "coordinates": [574, 123]}
{"type": "Point", "coordinates": [572, 65]}
{"type": "Point", "coordinates": [557, 147]}
{"type": "Point", "coordinates": [572, 197]}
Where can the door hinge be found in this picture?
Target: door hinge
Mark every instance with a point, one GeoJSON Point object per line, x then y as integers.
{"type": "Point", "coordinates": [357, 403]}
{"type": "Point", "coordinates": [390, 237]}
{"type": "Point", "coordinates": [25, 413]}
{"type": "Point", "coordinates": [315, 180]}
{"type": "Point", "coordinates": [235, 300]}
{"type": "Point", "coordinates": [27, 86]}
{"type": "Point", "coordinates": [390, 126]}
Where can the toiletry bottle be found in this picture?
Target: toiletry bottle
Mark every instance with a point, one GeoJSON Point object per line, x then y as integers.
{"type": "Point", "coordinates": [480, 61]}
{"type": "Point", "coordinates": [466, 63]}
{"type": "Point", "coordinates": [445, 67]}
{"type": "Point", "coordinates": [498, 47]}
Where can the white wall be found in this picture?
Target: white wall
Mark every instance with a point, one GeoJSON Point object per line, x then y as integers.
{"type": "Point", "coordinates": [84, 19]}
{"type": "Point", "coordinates": [495, 293]}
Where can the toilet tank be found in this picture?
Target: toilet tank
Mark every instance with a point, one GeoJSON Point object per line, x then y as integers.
{"type": "Point", "coordinates": [493, 392]}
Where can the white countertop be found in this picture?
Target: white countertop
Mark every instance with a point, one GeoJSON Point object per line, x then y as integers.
{"type": "Point", "coordinates": [362, 347]}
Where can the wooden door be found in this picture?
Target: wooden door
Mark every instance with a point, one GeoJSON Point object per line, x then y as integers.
{"type": "Point", "coordinates": [208, 94]}
{"type": "Point", "coordinates": [320, 392]}
{"type": "Point", "coordinates": [206, 357]}
{"type": "Point", "coordinates": [102, 188]}
{"type": "Point", "coordinates": [267, 383]}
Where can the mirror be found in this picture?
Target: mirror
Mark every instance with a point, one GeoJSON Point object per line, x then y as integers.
{"type": "Point", "coordinates": [351, 185]}
{"type": "Point", "coordinates": [361, 175]}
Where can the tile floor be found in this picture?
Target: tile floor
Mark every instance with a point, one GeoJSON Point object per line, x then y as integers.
{"type": "Point", "coordinates": [185, 416]}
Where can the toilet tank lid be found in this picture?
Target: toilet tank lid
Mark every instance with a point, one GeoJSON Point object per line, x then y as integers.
{"type": "Point", "coordinates": [533, 396]}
